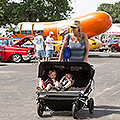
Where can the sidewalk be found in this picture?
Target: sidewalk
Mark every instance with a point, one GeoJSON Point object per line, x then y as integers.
{"type": "Point", "coordinates": [96, 54]}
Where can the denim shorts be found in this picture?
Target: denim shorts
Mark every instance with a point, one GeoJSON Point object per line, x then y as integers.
{"type": "Point", "coordinates": [40, 53]}
{"type": "Point", "coordinates": [49, 53]}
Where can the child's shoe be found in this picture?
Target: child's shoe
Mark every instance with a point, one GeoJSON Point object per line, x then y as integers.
{"type": "Point", "coordinates": [62, 88]}
{"type": "Point", "coordinates": [56, 88]}
{"type": "Point", "coordinates": [39, 88]}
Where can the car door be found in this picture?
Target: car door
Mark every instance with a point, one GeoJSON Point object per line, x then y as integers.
{"type": "Point", "coordinates": [2, 52]}
{"type": "Point", "coordinates": [3, 49]}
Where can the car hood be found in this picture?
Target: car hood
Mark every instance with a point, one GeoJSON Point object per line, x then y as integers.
{"type": "Point", "coordinates": [2, 38]}
{"type": "Point", "coordinates": [23, 40]}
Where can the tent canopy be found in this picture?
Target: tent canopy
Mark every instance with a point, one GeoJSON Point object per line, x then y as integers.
{"type": "Point", "coordinates": [113, 29]}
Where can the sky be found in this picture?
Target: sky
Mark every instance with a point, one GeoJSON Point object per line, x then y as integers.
{"type": "Point", "coordinates": [83, 7]}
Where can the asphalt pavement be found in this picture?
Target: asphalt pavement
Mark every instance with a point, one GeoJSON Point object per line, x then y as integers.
{"type": "Point", "coordinates": [18, 98]}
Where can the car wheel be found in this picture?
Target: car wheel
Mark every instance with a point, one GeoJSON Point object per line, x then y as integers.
{"type": "Point", "coordinates": [113, 49]}
{"type": "Point", "coordinates": [17, 58]}
{"type": "Point", "coordinates": [100, 50]}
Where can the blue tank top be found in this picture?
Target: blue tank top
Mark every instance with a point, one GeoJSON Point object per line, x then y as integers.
{"type": "Point", "coordinates": [77, 50]}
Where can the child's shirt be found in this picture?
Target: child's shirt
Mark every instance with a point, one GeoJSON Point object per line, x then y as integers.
{"type": "Point", "coordinates": [48, 81]}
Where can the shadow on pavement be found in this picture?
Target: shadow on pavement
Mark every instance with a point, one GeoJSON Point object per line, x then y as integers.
{"type": "Point", "coordinates": [3, 64]}
{"type": "Point", "coordinates": [99, 111]}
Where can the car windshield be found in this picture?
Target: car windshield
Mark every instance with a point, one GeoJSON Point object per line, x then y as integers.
{"type": "Point", "coordinates": [114, 41]}
{"type": "Point", "coordinates": [7, 42]}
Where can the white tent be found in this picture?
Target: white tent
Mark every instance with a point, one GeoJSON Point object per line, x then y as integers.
{"type": "Point", "coordinates": [113, 30]}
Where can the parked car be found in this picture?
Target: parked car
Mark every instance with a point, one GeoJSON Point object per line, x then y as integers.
{"type": "Point", "coordinates": [2, 38]}
{"type": "Point", "coordinates": [104, 47]}
{"type": "Point", "coordinates": [16, 51]}
{"type": "Point", "coordinates": [115, 45]}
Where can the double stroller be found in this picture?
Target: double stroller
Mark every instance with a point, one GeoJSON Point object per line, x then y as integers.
{"type": "Point", "coordinates": [76, 97]}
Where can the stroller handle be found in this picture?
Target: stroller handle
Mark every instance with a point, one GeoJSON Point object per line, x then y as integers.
{"type": "Point", "coordinates": [93, 66]}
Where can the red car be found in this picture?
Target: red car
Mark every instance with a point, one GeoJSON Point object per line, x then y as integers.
{"type": "Point", "coordinates": [16, 52]}
{"type": "Point", "coordinates": [115, 45]}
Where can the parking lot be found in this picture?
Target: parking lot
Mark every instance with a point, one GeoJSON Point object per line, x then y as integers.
{"type": "Point", "coordinates": [18, 98]}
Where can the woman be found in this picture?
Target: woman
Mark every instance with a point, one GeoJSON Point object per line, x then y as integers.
{"type": "Point", "coordinates": [78, 44]}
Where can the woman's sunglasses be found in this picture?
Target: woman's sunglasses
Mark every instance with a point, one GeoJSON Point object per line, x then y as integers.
{"type": "Point", "coordinates": [73, 27]}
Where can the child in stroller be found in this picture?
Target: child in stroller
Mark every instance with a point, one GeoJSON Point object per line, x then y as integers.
{"type": "Point", "coordinates": [66, 81]}
{"type": "Point", "coordinates": [48, 84]}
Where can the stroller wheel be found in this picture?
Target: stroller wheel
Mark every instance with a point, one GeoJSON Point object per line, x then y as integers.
{"type": "Point", "coordinates": [91, 105]}
{"type": "Point", "coordinates": [40, 109]}
{"type": "Point", "coordinates": [74, 111]}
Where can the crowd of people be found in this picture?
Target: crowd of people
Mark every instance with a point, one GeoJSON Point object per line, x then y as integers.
{"type": "Point", "coordinates": [39, 46]}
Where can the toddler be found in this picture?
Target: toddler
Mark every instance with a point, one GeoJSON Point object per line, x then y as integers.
{"type": "Point", "coordinates": [66, 81]}
{"type": "Point", "coordinates": [48, 84]}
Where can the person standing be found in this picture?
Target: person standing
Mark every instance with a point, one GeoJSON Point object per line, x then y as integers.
{"type": "Point", "coordinates": [109, 43]}
{"type": "Point", "coordinates": [49, 46]}
{"type": "Point", "coordinates": [39, 46]}
{"type": "Point", "coordinates": [78, 44]}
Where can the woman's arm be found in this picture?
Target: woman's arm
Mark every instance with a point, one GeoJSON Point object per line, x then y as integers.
{"type": "Point", "coordinates": [86, 48]}
{"type": "Point", "coordinates": [63, 47]}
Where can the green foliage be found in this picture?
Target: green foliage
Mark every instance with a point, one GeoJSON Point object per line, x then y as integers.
{"type": "Point", "coordinates": [9, 30]}
{"type": "Point", "coordinates": [30, 10]}
{"type": "Point", "coordinates": [112, 9]}
{"type": "Point", "coordinates": [3, 4]}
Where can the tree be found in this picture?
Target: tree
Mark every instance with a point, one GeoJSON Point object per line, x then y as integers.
{"type": "Point", "coordinates": [30, 10]}
{"type": "Point", "coordinates": [112, 9]}
{"type": "Point", "coordinates": [3, 4]}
